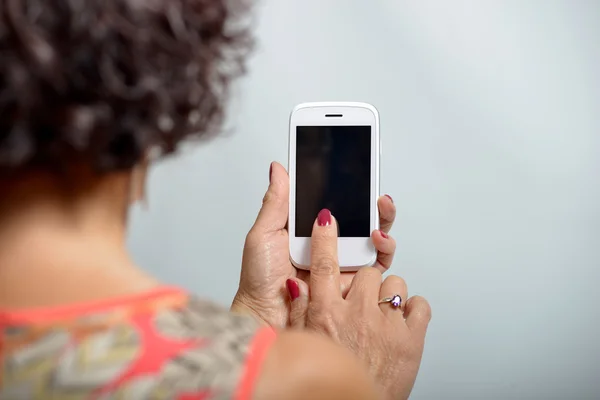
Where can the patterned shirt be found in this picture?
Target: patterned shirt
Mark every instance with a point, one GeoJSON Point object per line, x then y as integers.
{"type": "Point", "coordinates": [158, 345]}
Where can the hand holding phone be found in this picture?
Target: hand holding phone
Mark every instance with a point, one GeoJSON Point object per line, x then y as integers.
{"type": "Point", "coordinates": [334, 151]}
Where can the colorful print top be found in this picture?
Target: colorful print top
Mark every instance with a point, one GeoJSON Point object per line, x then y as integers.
{"type": "Point", "coordinates": [159, 345]}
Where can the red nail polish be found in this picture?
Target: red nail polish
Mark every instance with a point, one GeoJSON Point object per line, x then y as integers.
{"type": "Point", "coordinates": [270, 172]}
{"type": "Point", "coordinates": [385, 236]}
{"type": "Point", "coordinates": [324, 217]}
{"type": "Point", "coordinates": [389, 197]}
{"type": "Point", "coordinates": [293, 289]}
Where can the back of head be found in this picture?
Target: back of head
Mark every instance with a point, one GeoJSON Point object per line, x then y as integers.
{"type": "Point", "coordinates": [102, 82]}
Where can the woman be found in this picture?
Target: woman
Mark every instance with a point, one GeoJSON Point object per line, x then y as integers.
{"type": "Point", "coordinates": [90, 93]}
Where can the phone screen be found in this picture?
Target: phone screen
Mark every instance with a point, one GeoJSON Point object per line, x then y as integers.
{"type": "Point", "coordinates": [333, 171]}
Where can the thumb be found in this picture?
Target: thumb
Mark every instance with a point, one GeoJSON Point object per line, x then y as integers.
{"type": "Point", "coordinates": [273, 214]}
{"type": "Point", "coordinates": [298, 292]}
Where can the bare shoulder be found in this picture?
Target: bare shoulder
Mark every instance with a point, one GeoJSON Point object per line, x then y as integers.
{"type": "Point", "coordinates": [302, 365]}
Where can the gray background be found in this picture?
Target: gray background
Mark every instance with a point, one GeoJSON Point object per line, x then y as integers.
{"type": "Point", "coordinates": [490, 116]}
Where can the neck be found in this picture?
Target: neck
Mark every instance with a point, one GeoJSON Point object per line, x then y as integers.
{"type": "Point", "coordinates": [60, 246]}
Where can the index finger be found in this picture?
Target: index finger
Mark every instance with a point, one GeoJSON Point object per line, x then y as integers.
{"type": "Point", "coordinates": [324, 269]}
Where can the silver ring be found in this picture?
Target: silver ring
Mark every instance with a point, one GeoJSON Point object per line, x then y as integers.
{"type": "Point", "coordinates": [395, 301]}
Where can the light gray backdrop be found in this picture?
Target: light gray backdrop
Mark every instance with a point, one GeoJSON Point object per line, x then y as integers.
{"type": "Point", "coordinates": [490, 116]}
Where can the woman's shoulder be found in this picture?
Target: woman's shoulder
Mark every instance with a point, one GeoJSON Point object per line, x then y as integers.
{"type": "Point", "coordinates": [166, 344]}
{"type": "Point", "coordinates": [209, 322]}
{"type": "Point", "coordinates": [228, 349]}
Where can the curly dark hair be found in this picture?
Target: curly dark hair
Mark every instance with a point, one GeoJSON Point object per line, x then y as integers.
{"type": "Point", "coordinates": [103, 81]}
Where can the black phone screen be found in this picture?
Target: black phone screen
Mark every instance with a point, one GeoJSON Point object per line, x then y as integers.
{"type": "Point", "coordinates": [333, 171]}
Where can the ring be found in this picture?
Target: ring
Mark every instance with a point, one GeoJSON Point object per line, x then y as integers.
{"type": "Point", "coordinates": [395, 300]}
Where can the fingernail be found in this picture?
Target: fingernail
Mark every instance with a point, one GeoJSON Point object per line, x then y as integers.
{"type": "Point", "coordinates": [293, 289]}
{"type": "Point", "coordinates": [324, 217]}
{"type": "Point", "coordinates": [270, 172]}
{"type": "Point", "coordinates": [385, 236]}
{"type": "Point", "coordinates": [389, 197]}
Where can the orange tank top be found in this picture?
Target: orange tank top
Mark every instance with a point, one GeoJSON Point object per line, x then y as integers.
{"type": "Point", "coordinates": [159, 345]}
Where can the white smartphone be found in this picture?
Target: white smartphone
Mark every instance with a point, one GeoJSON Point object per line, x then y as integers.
{"type": "Point", "coordinates": [334, 152]}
